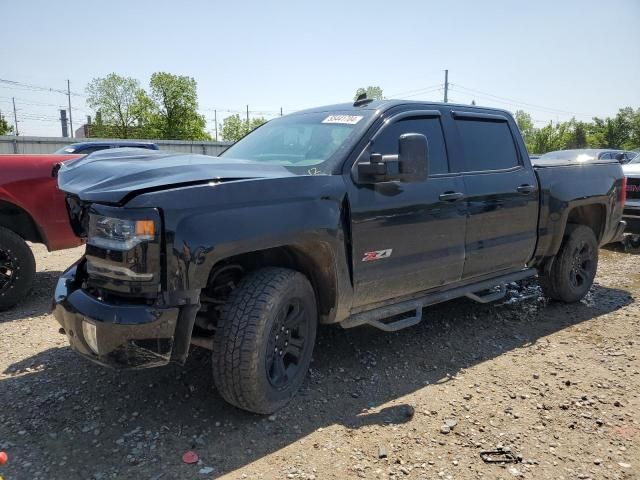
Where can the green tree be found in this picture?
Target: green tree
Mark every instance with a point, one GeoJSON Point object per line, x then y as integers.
{"type": "Point", "coordinates": [575, 134]}
{"type": "Point", "coordinates": [372, 92]}
{"type": "Point", "coordinates": [234, 127]}
{"type": "Point", "coordinates": [525, 124]}
{"type": "Point", "coordinates": [116, 98]}
{"type": "Point", "coordinates": [5, 128]}
{"type": "Point", "coordinates": [175, 110]}
{"type": "Point", "coordinates": [621, 131]}
{"type": "Point", "coordinates": [634, 135]}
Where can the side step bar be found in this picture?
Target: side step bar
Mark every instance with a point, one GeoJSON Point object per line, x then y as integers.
{"type": "Point", "coordinates": [489, 297]}
{"type": "Point", "coordinates": [376, 317]}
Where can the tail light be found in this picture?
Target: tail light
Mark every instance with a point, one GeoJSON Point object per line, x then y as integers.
{"type": "Point", "coordinates": [623, 191]}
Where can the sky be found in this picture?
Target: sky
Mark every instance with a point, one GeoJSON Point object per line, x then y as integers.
{"type": "Point", "coordinates": [553, 59]}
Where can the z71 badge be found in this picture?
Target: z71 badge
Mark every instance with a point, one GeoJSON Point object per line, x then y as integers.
{"type": "Point", "coordinates": [377, 255]}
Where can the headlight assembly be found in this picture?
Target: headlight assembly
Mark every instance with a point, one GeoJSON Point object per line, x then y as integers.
{"type": "Point", "coordinates": [119, 234]}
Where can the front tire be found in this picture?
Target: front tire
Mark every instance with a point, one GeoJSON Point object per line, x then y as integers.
{"type": "Point", "coordinates": [263, 344]}
{"type": "Point", "coordinates": [17, 268]}
{"type": "Point", "coordinates": [574, 267]}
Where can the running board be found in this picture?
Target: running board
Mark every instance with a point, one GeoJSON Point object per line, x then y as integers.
{"type": "Point", "coordinates": [396, 325]}
{"type": "Point", "coordinates": [489, 297]}
{"type": "Point", "coordinates": [376, 317]}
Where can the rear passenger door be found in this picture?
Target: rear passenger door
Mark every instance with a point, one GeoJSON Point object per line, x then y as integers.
{"type": "Point", "coordinates": [501, 192]}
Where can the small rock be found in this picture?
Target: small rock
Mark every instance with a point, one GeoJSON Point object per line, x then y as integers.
{"type": "Point", "coordinates": [617, 404]}
{"type": "Point", "coordinates": [272, 418]}
{"type": "Point", "coordinates": [445, 429]}
{"type": "Point", "coordinates": [514, 471]}
{"type": "Point", "coordinates": [382, 452]}
{"type": "Point", "coordinates": [536, 376]}
{"type": "Point", "coordinates": [624, 465]}
{"type": "Point", "coordinates": [450, 422]}
{"type": "Point", "coordinates": [206, 470]}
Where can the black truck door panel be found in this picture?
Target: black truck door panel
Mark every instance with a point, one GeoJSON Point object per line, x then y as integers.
{"type": "Point", "coordinates": [407, 237]}
{"type": "Point", "coordinates": [501, 194]}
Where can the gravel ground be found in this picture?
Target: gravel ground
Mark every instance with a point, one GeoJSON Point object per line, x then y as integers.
{"type": "Point", "coordinates": [557, 385]}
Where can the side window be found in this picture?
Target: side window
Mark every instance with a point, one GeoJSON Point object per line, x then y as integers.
{"type": "Point", "coordinates": [605, 156]}
{"type": "Point", "coordinates": [387, 142]}
{"type": "Point", "coordinates": [487, 145]}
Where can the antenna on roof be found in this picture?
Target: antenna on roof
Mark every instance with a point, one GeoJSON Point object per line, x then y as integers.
{"type": "Point", "coordinates": [362, 100]}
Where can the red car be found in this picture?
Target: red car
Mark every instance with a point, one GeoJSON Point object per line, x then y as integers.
{"type": "Point", "coordinates": [31, 208]}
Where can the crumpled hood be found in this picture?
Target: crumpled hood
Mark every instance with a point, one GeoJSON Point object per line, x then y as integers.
{"type": "Point", "coordinates": [111, 176]}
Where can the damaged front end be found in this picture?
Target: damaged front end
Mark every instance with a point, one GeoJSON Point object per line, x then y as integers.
{"type": "Point", "coordinates": [111, 304]}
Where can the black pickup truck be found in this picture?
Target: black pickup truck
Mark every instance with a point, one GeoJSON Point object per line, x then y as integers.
{"type": "Point", "coordinates": [354, 214]}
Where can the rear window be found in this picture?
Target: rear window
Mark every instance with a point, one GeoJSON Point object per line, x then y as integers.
{"type": "Point", "coordinates": [487, 145]}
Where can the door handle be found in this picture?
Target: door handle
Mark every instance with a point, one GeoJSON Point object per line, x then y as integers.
{"type": "Point", "coordinates": [451, 196]}
{"type": "Point", "coordinates": [525, 189]}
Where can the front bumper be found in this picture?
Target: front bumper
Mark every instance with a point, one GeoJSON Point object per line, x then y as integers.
{"type": "Point", "coordinates": [126, 335]}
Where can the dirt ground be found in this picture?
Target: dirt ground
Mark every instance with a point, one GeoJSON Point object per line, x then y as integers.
{"type": "Point", "coordinates": [556, 384]}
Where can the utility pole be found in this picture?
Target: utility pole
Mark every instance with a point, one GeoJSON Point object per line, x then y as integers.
{"type": "Point", "coordinates": [15, 116]}
{"type": "Point", "coordinates": [63, 123]}
{"type": "Point", "coordinates": [446, 86]}
{"type": "Point", "coordinates": [247, 114]}
{"type": "Point", "coordinates": [280, 111]}
{"type": "Point", "coordinates": [215, 119]}
{"type": "Point", "coordinates": [70, 117]}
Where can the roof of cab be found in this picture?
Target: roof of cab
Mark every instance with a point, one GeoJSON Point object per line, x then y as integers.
{"type": "Point", "coordinates": [390, 103]}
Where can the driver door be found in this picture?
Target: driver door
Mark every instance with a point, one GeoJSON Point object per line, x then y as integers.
{"type": "Point", "coordinates": [407, 236]}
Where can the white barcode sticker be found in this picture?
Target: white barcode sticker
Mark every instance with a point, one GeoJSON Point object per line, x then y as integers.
{"type": "Point", "coordinates": [344, 119]}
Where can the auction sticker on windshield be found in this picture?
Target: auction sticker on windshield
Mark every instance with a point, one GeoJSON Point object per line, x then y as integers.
{"type": "Point", "coordinates": [343, 119]}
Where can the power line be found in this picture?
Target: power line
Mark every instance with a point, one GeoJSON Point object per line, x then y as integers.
{"type": "Point", "coordinates": [27, 86]}
{"type": "Point", "coordinates": [28, 102]}
{"type": "Point", "coordinates": [511, 101]}
{"type": "Point", "coordinates": [417, 91]}
{"type": "Point", "coordinates": [423, 93]}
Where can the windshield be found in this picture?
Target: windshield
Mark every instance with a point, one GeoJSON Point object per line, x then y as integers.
{"type": "Point", "coordinates": [307, 143]}
{"type": "Point", "coordinates": [635, 159]}
{"type": "Point", "coordinates": [63, 150]}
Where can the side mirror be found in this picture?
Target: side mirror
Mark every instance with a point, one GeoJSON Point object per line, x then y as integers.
{"type": "Point", "coordinates": [413, 157]}
{"type": "Point", "coordinates": [410, 165]}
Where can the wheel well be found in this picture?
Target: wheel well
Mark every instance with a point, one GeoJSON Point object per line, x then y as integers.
{"type": "Point", "coordinates": [19, 221]}
{"type": "Point", "coordinates": [310, 259]}
{"type": "Point", "coordinates": [592, 216]}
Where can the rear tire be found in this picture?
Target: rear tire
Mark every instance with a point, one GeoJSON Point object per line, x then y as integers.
{"type": "Point", "coordinates": [263, 344]}
{"type": "Point", "coordinates": [17, 268]}
{"type": "Point", "coordinates": [574, 267]}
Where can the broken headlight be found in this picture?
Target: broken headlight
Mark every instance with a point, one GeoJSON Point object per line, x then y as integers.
{"type": "Point", "coordinates": [118, 233]}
